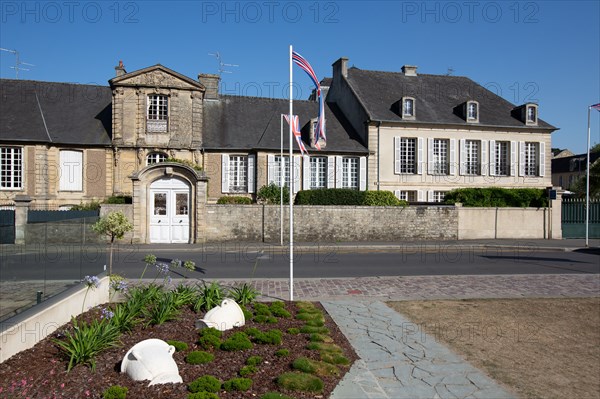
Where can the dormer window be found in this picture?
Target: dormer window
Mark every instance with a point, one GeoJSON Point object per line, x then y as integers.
{"type": "Point", "coordinates": [158, 113]}
{"type": "Point", "coordinates": [408, 108]}
{"type": "Point", "coordinates": [472, 111]}
{"type": "Point", "coordinates": [531, 114]}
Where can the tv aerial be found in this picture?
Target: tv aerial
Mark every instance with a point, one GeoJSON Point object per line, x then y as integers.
{"type": "Point", "coordinates": [18, 62]}
{"type": "Point", "coordinates": [222, 65]}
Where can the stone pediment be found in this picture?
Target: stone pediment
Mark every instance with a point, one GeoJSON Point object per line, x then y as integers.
{"type": "Point", "coordinates": [157, 76]}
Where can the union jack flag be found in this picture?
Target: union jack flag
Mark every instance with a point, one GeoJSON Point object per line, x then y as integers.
{"type": "Point", "coordinates": [296, 131]}
{"type": "Point", "coordinates": [320, 128]}
{"type": "Point", "coordinates": [596, 106]}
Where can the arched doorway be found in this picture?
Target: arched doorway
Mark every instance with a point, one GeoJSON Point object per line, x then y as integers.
{"type": "Point", "coordinates": [169, 211]}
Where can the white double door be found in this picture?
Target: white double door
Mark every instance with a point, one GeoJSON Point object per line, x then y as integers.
{"type": "Point", "coordinates": [169, 211]}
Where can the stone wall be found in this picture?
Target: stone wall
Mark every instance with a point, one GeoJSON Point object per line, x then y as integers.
{"type": "Point", "coordinates": [329, 223]}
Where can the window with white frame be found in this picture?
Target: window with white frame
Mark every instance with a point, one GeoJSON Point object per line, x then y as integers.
{"type": "Point", "coordinates": [438, 196]}
{"type": "Point", "coordinates": [531, 114]}
{"type": "Point", "coordinates": [350, 173]}
{"type": "Point", "coordinates": [502, 158]}
{"type": "Point", "coordinates": [440, 156]}
{"type": "Point", "coordinates": [277, 164]}
{"type": "Point", "coordinates": [71, 170]}
{"type": "Point", "coordinates": [158, 112]}
{"type": "Point", "coordinates": [407, 195]}
{"type": "Point", "coordinates": [531, 159]}
{"type": "Point", "coordinates": [11, 168]}
{"type": "Point", "coordinates": [408, 107]}
{"type": "Point", "coordinates": [156, 157]}
{"type": "Point", "coordinates": [318, 172]}
{"type": "Point", "coordinates": [472, 111]}
{"type": "Point", "coordinates": [406, 156]}
{"type": "Point", "coordinates": [238, 173]}
{"type": "Point", "coordinates": [472, 157]}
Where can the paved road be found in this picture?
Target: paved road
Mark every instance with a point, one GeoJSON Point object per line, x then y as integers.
{"type": "Point", "coordinates": [253, 261]}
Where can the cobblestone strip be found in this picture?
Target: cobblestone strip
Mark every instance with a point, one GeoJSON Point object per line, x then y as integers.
{"type": "Point", "coordinates": [396, 362]}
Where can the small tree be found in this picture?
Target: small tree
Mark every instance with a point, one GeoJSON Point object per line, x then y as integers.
{"type": "Point", "coordinates": [114, 225]}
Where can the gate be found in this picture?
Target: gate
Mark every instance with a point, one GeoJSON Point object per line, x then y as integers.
{"type": "Point", "coordinates": [573, 218]}
{"type": "Point", "coordinates": [7, 226]}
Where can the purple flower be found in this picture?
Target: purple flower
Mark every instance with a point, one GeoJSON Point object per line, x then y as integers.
{"type": "Point", "coordinates": [163, 268]}
{"type": "Point", "coordinates": [91, 281]}
{"type": "Point", "coordinates": [120, 285]}
{"type": "Point", "coordinates": [106, 314]}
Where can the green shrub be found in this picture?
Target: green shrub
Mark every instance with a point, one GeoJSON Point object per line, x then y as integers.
{"type": "Point", "coordinates": [199, 357]}
{"type": "Point", "coordinates": [278, 310]}
{"type": "Point", "coordinates": [248, 315]}
{"type": "Point", "coordinates": [179, 345]}
{"type": "Point", "coordinates": [206, 383]}
{"type": "Point", "coordinates": [203, 395]}
{"type": "Point", "coordinates": [333, 358]}
{"type": "Point", "coordinates": [234, 199]}
{"type": "Point", "coordinates": [254, 360]}
{"type": "Point", "coordinates": [313, 329]}
{"type": "Point", "coordinates": [293, 330]}
{"type": "Point", "coordinates": [236, 342]}
{"type": "Point", "coordinates": [498, 197]}
{"type": "Point", "coordinates": [191, 164]}
{"type": "Point", "coordinates": [382, 198]}
{"type": "Point", "coordinates": [262, 309]}
{"type": "Point", "coordinates": [265, 319]}
{"type": "Point", "coordinates": [244, 295]}
{"type": "Point", "coordinates": [237, 384]}
{"type": "Point", "coordinates": [300, 382]}
{"type": "Point", "coordinates": [320, 338]}
{"type": "Point", "coordinates": [282, 353]}
{"type": "Point", "coordinates": [270, 337]}
{"type": "Point", "coordinates": [115, 392]}
{"type": "Point", "coordinates": [248, 370]}
{"type": "Point", "coordinates": [271, 194]}
{"type": "Point", "coordinates": [119, 199]}
{"type": "Point", "coordinates": [164, 309]}
{"type": "Point", "coordinates": [315, 323]}
{"type": "Point", "coordinates": [209, 296]}
{"type": "Point", "coordinates": [209, 338]}
{"type": "Point", "coordinates": [275, 395]}
{"type": "Point", "coordinates": [330, 196]}
{"type": "Point", "coordinates": [90, 206]}
{"type": "Point", "coordinates": [310, 366]}
{"type": "Point", "coordinates": [184, 295]}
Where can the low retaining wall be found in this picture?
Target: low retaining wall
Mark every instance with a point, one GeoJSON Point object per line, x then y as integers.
{"type": "Point", "coordinates": [28, 328]}
{"type": "Point", "coordinates": [513, 223]}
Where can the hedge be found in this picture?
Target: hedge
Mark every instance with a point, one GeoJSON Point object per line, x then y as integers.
{"type": "Point", "coordinates": [344, 196]}
{"type": "Point", "coordinates": [234, 200]}
{"type": "Point", "coordinates": [498, 197]}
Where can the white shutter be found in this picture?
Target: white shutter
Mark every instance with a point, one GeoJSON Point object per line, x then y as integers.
{"type": "Point", "coordinates": [397, 161]}
{"type": "Point", "coordinates": [305, 172]}
{"type": "Point", "coordinates": [71, 170]}
{"type": "Point", "coordinates": [296, 173]}
{"type": "Point", "coordinates": [420, 196]}
{"type": "Point", "coordinates": [225, 173]}
{"type": "Point", "coordinates": [483, 157]}
{"type": "Point", "coordinates": [542, 156]}
{"type": "Point", "coordinates": [362, 182]}
{"type": "Point", "coordinates": [271, 170]}
{"type": "Point", "coordinates": [513, 158]}
{"type": "Point", "coordinates": [420, 159]}
{"type": "Point", "coordinates": [430, 163]}
{"type": "Point", "coordinates": [462, 163]}
{"type": "Point", "coordinates": [330, 172]}
{"type": "Point", "coordinates": [429, 195]}
{"type": "Point", "coordinates": [251, 173]}
{"type": "Point", "coordinates": [338, 172]}
{"type": "Point", "coordinates": [452, 157]}
{"type": "Point", "coordinates": [521, 158]}
{"type": "Point", "coordinates": [492, 159]}
{"type": "Point", "coordinates": [397, 193]}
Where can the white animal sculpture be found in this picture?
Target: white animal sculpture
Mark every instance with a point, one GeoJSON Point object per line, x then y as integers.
{"type": "Point", "coordinates": [151, 359]}
{"type": "Point", "coordinates": [224, 317]}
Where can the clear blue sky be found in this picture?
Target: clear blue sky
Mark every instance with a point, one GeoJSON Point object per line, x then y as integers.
{"type": "Point", "coordinates": [542, 51]}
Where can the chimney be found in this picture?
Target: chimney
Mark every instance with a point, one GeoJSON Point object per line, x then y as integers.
{"type": "Point", "coordinates": [211, 82]}
{"type": "Point", "coordinates": [340, 67]}
{"type": "Point", "coordinates": [120, 69]}
{"type": "Point", "coordinates": [409, 70]}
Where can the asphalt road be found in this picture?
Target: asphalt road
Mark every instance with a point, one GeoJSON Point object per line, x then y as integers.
{"type": "Point", "coordinates": [74, 262]}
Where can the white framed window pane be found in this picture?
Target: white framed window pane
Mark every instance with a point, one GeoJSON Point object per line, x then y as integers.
{"type": "Point", "coordinates": [277, 170]}
{"type": "Point", "coordinates": [318, 172]}
{"type": "Point", "coordinates": [238, 173]}
{"type": "Point", "coordinates": [11, 168]}
{"type": "Point", "coordinates": [531, 116]}
{"type": "Point", "coordinates": [502, 158]}
{"type": "Point", "coordinates": [407, 195]}
{"type": "Point", "coordinates": [408, 107]}
{"type": "Point", "coordinates": [440, 156]}
{"type": "Point", "coordinates": [181, 204]}
{"type": "Point", "coordinates": [156, 157]}
{"type": "Point", "coordinates": [472, 161]}
{"type": "Point", "coordinates": [438, 196]}
{"type": "Point", "coordinates": [407, 155]}
{"type": "Point", "coordinates": [160, 204]}
{"type": "Point", "coordinates": [472, 111]}
{"type": "Point", "coordinates": [157, 116]}
{"type": "Point", "coordinates": [350, 173]}
{"type": "Point", "coordinates": [531, 161]}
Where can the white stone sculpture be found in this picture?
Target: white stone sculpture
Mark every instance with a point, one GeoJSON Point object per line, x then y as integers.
{"type": "Point", "coordinates": [151, 359]}
{"type": "Point", "coordinates": [224, 317]}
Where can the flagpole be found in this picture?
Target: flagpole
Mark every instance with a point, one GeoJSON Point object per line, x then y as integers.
{"type": "Point", "coordinates": [291, 187]}
{"type": "Point", "coordinates": [587, 185]}
{"type": "Point", "coordinates": [281, 182]}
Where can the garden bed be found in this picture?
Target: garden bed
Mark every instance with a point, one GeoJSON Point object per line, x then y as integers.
{"type": "Point", "coordinates": [41, 372]}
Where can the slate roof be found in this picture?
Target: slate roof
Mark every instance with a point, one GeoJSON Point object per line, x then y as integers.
{"type": "Point", "coordinates": [73, 113]}
{"type": "Point", "coordinates": [244, 123]}
{"type": "Point", "coordinates": [563, 164]}
{"type": "Point", "coordinates": [436, 97]}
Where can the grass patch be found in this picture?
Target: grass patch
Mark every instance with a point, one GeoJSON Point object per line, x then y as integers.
{"type": "Point", "coordinates": [206, 383]}
{"type": "Point", "coordinates": [310, 366]}
{"type": "Point", "coordinates": [199, 357]}
{"type": "Point", "coordinates": [296, 381]}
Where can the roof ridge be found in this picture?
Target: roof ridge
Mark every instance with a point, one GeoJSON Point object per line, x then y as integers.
{"type": "Point", "coordinates": [57, 83]}
{"type": "Point", "coordinates": [264, 98]}
{"type": "Point", "coordinates": [419, 74]}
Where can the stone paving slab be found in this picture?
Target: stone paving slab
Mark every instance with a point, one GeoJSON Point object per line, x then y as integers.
{"type": "Point", "coordinates": [397, 363]}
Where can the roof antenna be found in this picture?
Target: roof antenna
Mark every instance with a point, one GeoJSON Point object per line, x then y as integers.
{"type": "Point", "coordinates": [18, 62]}
{"type": "Point", "coordinates": [450, 71]}
{"type": "Point", "coordinates": [222, 64]}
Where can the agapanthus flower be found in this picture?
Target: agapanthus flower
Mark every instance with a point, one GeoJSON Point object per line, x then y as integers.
{"type": "Point", "coordinates": [106, 314]}
{"type": "Point", "coordinates": [119, 285]}
{"type": "Point", "coordinates": [175, 263]}
{"type": "Point", "coordinates": [91, 281]}
{"type": "Point", "coordinates": [163, 268]}
{"type": "Point", "coordinates": [190, 265]}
